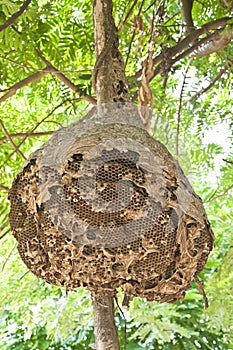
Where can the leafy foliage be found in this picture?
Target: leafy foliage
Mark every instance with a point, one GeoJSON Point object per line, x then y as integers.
{"type": "Point", "coordinates": [191, 114]}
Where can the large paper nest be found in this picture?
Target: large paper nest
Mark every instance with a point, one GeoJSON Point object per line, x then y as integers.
{"type": "Point", "coordinates": [107, 206]}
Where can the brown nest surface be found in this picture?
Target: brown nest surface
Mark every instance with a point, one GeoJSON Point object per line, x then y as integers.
{"type": "Point", "coordinates": [111, 209]}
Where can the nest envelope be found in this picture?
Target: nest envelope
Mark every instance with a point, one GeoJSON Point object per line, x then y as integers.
{"type": "Point", "coordinates": [112, 210]}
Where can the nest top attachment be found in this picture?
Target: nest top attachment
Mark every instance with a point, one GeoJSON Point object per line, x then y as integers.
{"type": "Point", "coordinates": [104, 205]}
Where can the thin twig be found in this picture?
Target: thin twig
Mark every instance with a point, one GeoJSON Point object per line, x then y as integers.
{"type": "Point", "coordinates": [15, 15]}
{"type": "Point", "coordinates": [149, 7]}
{"type": "Point", "coordinates": [11, 141]}
{"type": "Point", "coordinates": [123, 12]}
{"type": "Point", "coordinates": [130, 47]}
{"type": "Point", "coordinates": [64, 79]}
{"type": "Point", "coordinates": [27, 134]}
{"type": "Point", "coordinates": [8, 256]}
{"type": "Point", "coordinates": [134, 33]}
{"type": "Point", "coordinates": [180, 107]}
{"type": "Point", "coordinates": [24, 275]}
{"type": "Point", "coordinates": [168, 20]}
{"type": "Point", "coordinates": [201, 290]}
{"type": "Point", "coordinates": [121, 24]}
{"type": "Point", "coordinates": [13, 152]}
{"type": "Point", "coordinates": [16, 30]}
{"type": "Point", "coordinates": [4, 188]}
{"type": "Point", "coordinates": [59, 105]}
{"type": "Point", "coordinates": [4, 234]}
{"type": "Point", "coordinates": [19, 64]}
{"type": "Point", "coordinates": [13, 89]}
{"type": "Point", "coordinates": [44, 70]}
{"type": "Point", "coordinates": [186, 42]}
{"type": "Point", "coordinates": [228, 161]}
{"type": "Point", "coordinates": [4, 225]}
{"type": "Point", "coordinates": [54, 122]}
{"type": "Point", "coordinates": [212, 198]}
{"type": "Point", "coordinates": [202, 91]}
{"type": "Point", "coordinates": [36, 76]}
{"type": "Point", "coordinates": [31, 133]}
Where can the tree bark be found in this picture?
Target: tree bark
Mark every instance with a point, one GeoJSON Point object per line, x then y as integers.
{"type": "Point", "coordinates": [186, 12]}
{"type": "Point", "coordinates": [110, 85]}
{"type": "Point", "coordinates": [15, 15]}
{"type": "Point", "coordinates": [220, 40]}
{"type": "Point", "coordinates": [105, 330]}
{"type": "Point", "coordinates": [109, 81]}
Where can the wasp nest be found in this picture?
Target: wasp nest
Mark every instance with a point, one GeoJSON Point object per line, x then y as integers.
{"type": "Point", "coordinates": [113, 209]}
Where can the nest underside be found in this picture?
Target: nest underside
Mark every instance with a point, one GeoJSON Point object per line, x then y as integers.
{"type": "Point", "coordinates": [76, 226]}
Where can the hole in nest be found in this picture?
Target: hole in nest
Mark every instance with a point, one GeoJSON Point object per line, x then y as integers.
{"type": "Point", "coordinates": [118, 267]}
{"type": "Point", "coordinates": [87, 250]}
{"type": "Point", "coordinates": [151, 284]}
{"type": "Point", "coordinates": [57, 274]}
{"type": "Point", "coordinates": [91, 236]}
{"type": "Point", "coordinates": [180, 274]}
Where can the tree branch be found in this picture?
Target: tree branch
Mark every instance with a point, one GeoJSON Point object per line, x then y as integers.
{"type": "Point", "coordinates": [168, 53]}
{"type": "Point", "coordinates": [64, 79]}
{"type": "Point", "coordinates": [27, 134]}
{"type": "Point", "coordinates": [13, 89]}
{"type": "Point", "coordinates": [169, 62]}
{"type": "Point", "coordinates": [192, 37]}
{"type": "Point", "coordinates": [191, 50]}
{"type": "Point", "coordinates": [31, 133]}
{"type": "Point", "coordinates": [218, 42]}
{"type": "Point", "coordinates": [11, 141]}
{"type": "Point", "coordinates": [39, 69]}
{"type": "Point", "coordinates": [212, 198]}
{"type": "Point", "coordinates": [18, 64]}
{"type": "Point", "coordinates": [15, 15]}
{"type": "Point", "coordinates": [128, 14]}
{"type": "Point", "coordinates": [186, 12]}
{"type": "Point", "coordinates": [202, 91]}
{"type": "Point", "coordinates": [51, 69]}
{"type": "Point", "coordinates": [36, 76]}
{"type": "Point", "coordinates": [225, 35]}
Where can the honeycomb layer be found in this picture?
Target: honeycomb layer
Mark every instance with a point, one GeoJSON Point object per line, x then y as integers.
{"type": "Point", "coordinates": [112, 217]}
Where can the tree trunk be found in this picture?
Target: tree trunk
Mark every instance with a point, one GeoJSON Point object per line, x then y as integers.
{"type": "Point", "coordinates": [109, 81]}
{"type": "Point", "coordinates": [110, 85]}
{"type": "Point", "coordinates": [105, 330]}
{"type": "Point", "coordinates": [186, 12]}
